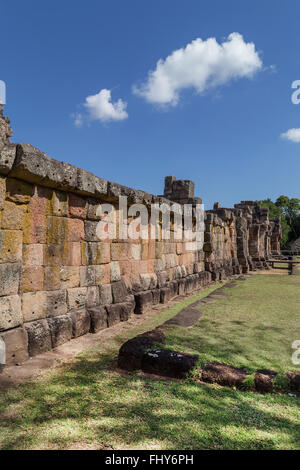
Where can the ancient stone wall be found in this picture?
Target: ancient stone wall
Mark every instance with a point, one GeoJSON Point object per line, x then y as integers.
{"type": "Point", "coordinates": [59, 279]}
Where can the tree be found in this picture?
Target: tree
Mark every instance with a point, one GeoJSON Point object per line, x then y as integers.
{"type": "Point", "coordinates": [290, 208]}
{"type": "Point", "coordinates": [276, 211]}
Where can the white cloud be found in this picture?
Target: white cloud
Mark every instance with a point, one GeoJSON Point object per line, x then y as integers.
{"type": "Point", "coordinates": [292, 134]}
{"type": "Point", "coordinates": [200, 65]}
{"type": "Point", "coordinates": [101, 108]}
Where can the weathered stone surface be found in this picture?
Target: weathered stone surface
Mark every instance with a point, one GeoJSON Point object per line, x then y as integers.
{"type": "Point", "coordinates": [95, 253]}
{"type": "Point", "coordinates": [168, 363]}
{"type": "Point", "coordinates": [76, 298]}
{"type": "Point", "coordinates": [33, 255]}
{"type": "Point", "coordinates": [10, 246]}
{"type": "Point", "coordinates": [7, 158]}
{"type": "Point", "coordinates": [16, 343]}
{"type": "Point", "coordinates": [60, 329]}
{"type": "Point", "coordinates": [127, 308]}
{"type": "Point", "coordinates": [39, 337]}
{"type": "Point", "coordinates": [87, 276]}
{"type": "Point", "coordinates": [115, 273]}
{"type": "Point", "coordinates": [156, 296]}
{"type": "Point", "coordinates": [106, 294]}
{"type": "Point", "coordinates": [119, 291]}
{"type": "Point", "coordinates": [69, 276]}
{"type": "Point", "coordinates": [56, 303]}
{"type": "Point", "coordinates": [223, 374]}
{"type": "Point", "coordinates": [114, 313]}
{"type": "Point", "coordinates": [81, 322]}
{"type": "Point", "coordinates": [131, 352]}
{"type": "Point", "coordinates": [77, 206]}
{"type": "Point", "coordinates": [264, 380]}
{"type": "Point", "coordinates": [98, 318]}
{"type": "Point", "coordinates": [92, 296]}
{"type": "Point", "coordinates": [13, 216]}
{"type": "Point", "coordinates": [294, 378]}
{"type": "Point", "coordinates": [10, 312]}
{"type": "Point", "coordinates": [9, 278]}
{"type": "Point", "coordinates": [165, 295]}
{"type": "Point", "coordinates": [18, 191]}
{"type": "Point", "coordinates": [143, 302]}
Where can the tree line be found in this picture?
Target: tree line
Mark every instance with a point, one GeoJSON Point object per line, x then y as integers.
{"type": "Point", "coordinates": [288, 209]}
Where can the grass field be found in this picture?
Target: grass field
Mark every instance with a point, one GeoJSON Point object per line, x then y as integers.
{"type": "Point", "coordinates": [86, 404]}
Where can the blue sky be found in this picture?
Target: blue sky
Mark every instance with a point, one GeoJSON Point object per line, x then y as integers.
{"type": "Point", "coordinates": [226, 137]}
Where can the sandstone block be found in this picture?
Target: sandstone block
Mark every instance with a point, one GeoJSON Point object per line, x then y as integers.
{"type": "Point", "coordinates": [9, 279]}
{"type": "Point", "coordinates": [76, 297]}
{"type": "Point", "coordinates": [16, 343]}
{"type": "Point", "coordinates": [92, 297]}
{"type": "Point", "coordinates": [52, 255]}
{"type": "Point", "coordinates": [119, 291]}
{"type": "Point", "coordinates": [60, 329]}
{"type": "Point", "coordinates": [98, 319]}
{"type": "Point", "coordinates": [2, 191]}
{"type": "Point", "coordinates": [115, 273]}
{"type": "Point", "coordinates": [56, 303]}
{"type": "Point", "coordinates": [59, 204]}
{"type": "Point", "coordinates": [39, 337]}
{"type": "Point", "coordinates": [165, 295]}
{"type": "Point", "coordinates": [106, 294]}
{"type": "Point", "coordinates": [18, 191]}
{"type": "Point", "coordinates": [71, 255]}
{"type": "Point", "coordinates": [57, 230]}
{"type": "Point", "coordinates": [7, 158]}
{"type": "Point", "coordinates": [52, 278]}
{"type": "Point", "coordinates": [77, 206]}
{"type": "Point", "coordinates": [102, 274]}
{"type": "Point", "coordinates": [69, 276]}
{"type": "Point", "coordinates": [143, 301]}
{"type": "Point", "coordinates": [33, 255]}
{"type": "Point", "coordinates": [87, 276]}
{"type": "Point", "coordinates": [34, 306]}
{"type": "Point", "coordinates": [10, 246]}
{"type": "Point", "coordinates": [13, 216]}
{"type": "Point", "coordinates": [114, 313]}
{"type": "Point", "coordinates": [81, 322]}
{"type": "Point", "coordinates": [10, 312]}
{"type": "Point", "coordinates": [168, 363]}
{"type": "Point", "coordinates": [95, 253]}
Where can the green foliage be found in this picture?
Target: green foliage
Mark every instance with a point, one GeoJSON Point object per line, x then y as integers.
{"type": "Point", "coordinates": [288, 210]}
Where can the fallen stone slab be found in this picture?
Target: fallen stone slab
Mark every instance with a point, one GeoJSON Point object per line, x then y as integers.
{"type": "Point", "coordinates": [230, 285]}
{"type": "Point", "coordinates": [189, 316]}
{"type": "Point", "coordinates": [131, 352]}
{"type": "Point", "coordinates": [264, 380]}
{"type": "Point", "coordinates": [208, 300]}
{"type": "Point", "coordinates": [294, 378]}
{"type": "Point", "coordinates": [168, 363]}
{"type": "Point", "coordinates": [223, 374]}
{"type": "Point", "coordinates": [143, 302]}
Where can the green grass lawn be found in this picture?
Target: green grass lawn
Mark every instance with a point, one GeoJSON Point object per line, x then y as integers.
{"type": "Point", "coordinates": [86, 404]}
{"type": "Point", "coordinates": [253, 328]}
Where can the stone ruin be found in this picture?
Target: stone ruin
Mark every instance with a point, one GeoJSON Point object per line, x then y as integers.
{"type": "Point", "coordinates": [58, 281]}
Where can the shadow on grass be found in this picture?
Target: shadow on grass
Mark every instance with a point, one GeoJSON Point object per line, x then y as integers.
{"type": "Point", "coordinates": [88, 402]}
